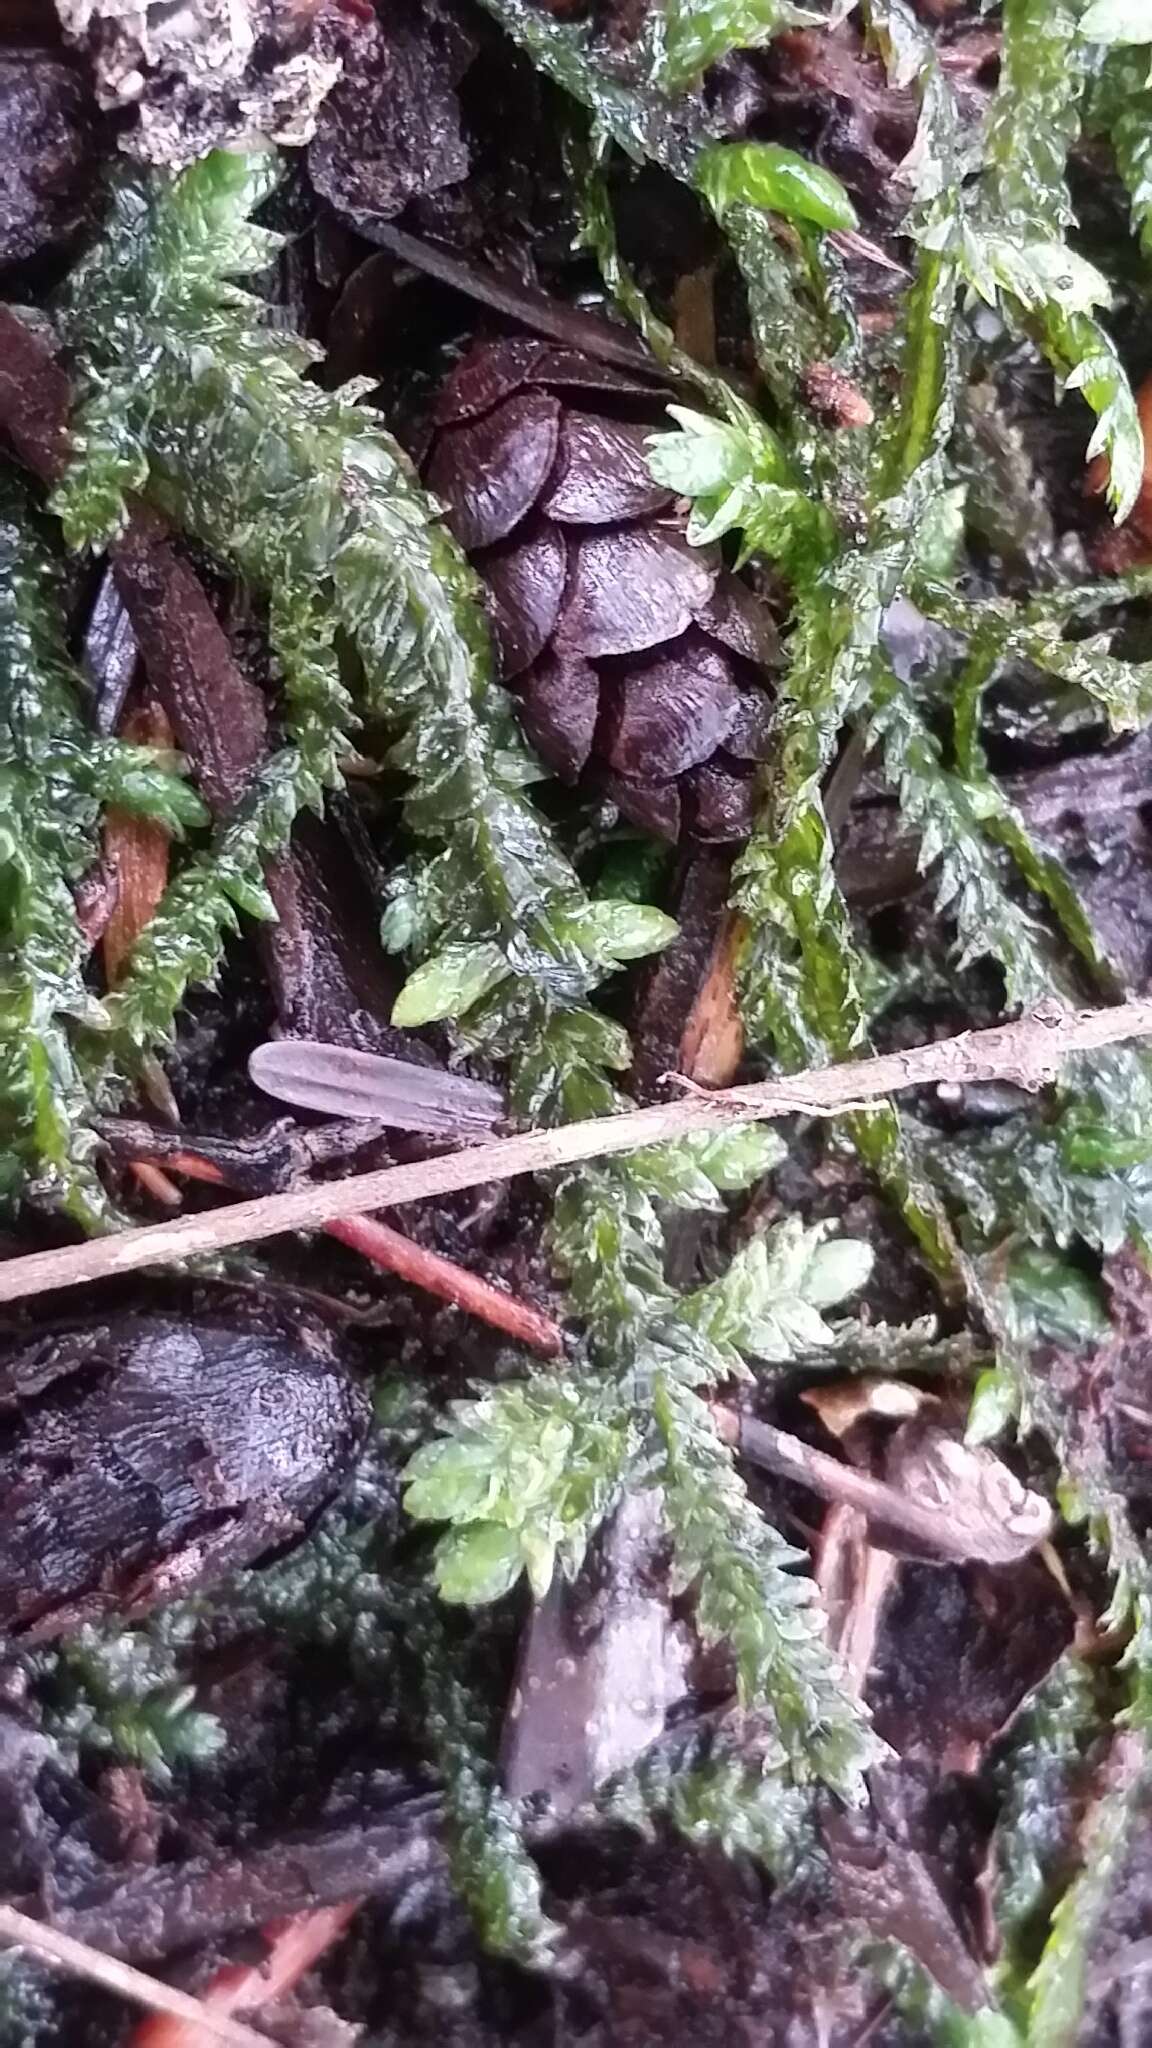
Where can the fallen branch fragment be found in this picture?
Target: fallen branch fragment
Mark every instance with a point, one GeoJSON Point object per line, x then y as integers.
{"type": "Point", "coordinates": [567, 325]}
{"type": "Point", "coordinates": [1027, 1053]}
{"type": "Point", "coordinates": [967, 1503]}
{"type": "Point", "coordinates": [78, 1960]}
{"type": "Point", "coordinates": [152, 1911]}
{"type": "Point", "coordinates": [713, 1042]}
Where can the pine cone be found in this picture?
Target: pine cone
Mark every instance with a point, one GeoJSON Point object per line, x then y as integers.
{"type": "Point", "coordinates": [634, 657]}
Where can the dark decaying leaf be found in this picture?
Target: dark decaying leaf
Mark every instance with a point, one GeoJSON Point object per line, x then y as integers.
{"type": "Point", "coordinates": [1093, 815]}
{"type": "Point", "coordinates": [675, 981]}
{"type": "Point", "coordinates": [491, 470]}
{"type": "Point", "coordinates": [525, 579]}
{"type": "Point", "coordinates": [48, 152]}
{"type": "Point", "coordinates": [959, 1648]}
{"type": "Point", "coordinates": [601, 472]}
{"type": "Point", "coordinates": [673, 710]}
{"type": "Point", "coordinates": [217, 713]}
{"type": "Point", "coordinates": [1104, 1391]}
{"type": "Point", "coordinates": [560, 703]}
{"type": "Point", "coordinates": [187, 1450]}
{"type": "Point", "coordinates": [390, 129]}
{"type": "Point", "coordinates": [35, 398]}
{"type": "Point", "coordinates": [631, 588]}
{"type": "Point", "coordinates": [331, 978]}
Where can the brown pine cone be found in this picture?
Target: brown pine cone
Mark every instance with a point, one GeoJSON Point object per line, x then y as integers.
{"type": "Point", "coordinates": [637, 660]}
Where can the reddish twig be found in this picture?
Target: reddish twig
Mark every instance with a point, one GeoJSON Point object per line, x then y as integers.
{"type": "Point", "coordinates": [1028, 1053]}
{"type": "Point", "coordinates": [294, 1945]}
{"type": "Point", "coordinates": [712, 1044]}
{"type": "Point", "coordinates": [155, 1182]}
{"type": "Point", "coordinates": [398, 1254]}
{"type": "Point", "coordinates": [136, 850]}
{"type": "Point", "coordinates": [440, 1276]}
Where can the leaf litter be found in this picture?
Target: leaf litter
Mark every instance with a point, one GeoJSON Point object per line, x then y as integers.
{"type": "Point", "coordinates": [696, 1594]}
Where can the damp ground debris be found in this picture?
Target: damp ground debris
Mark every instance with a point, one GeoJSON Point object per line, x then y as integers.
{"type": "Point", "coordinates": [555, 556]}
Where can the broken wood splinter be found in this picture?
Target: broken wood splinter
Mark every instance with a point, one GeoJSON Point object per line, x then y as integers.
{"type": "Point", "coordinates": [960, 1502]}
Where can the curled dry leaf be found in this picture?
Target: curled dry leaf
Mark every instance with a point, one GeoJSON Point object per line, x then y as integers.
{"type": "Point", "coordinates": [985, 1510]}
{"type": "Point", "coordinates": [216, 711]}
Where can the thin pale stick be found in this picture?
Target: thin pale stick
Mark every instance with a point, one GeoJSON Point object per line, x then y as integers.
{"type": "Point", "coordinates": [79, 1960]}
{"type": "Point", "coordinates": [973, 1533]}
{"type": "Point", "coordinates": [1028, 1053]}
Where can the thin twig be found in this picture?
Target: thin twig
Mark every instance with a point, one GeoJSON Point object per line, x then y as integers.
{"type": "Point", "coordinates": [991, 1516]}
{"type": "Point", "coordinates": [419, 1267]}
{"type": "Point", "coordinates": [1028, 1053]}
{"type": "Point", "coordinates": [154, 1910]}
{"type": "Point", "coordinates": [565, 324]}
{"type": "Point", "coordinates": [414, 1263]}
{"type": "Point", "coordinates": [79, 1960]}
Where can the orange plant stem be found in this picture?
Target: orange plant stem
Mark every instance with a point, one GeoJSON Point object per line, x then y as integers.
{"type": "Point", "coordinates": [395, 1253]}
{"type": "Point", "coordinates": [293, 1946]}
{"type": "Point", "coordinates": [436, 1275]}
